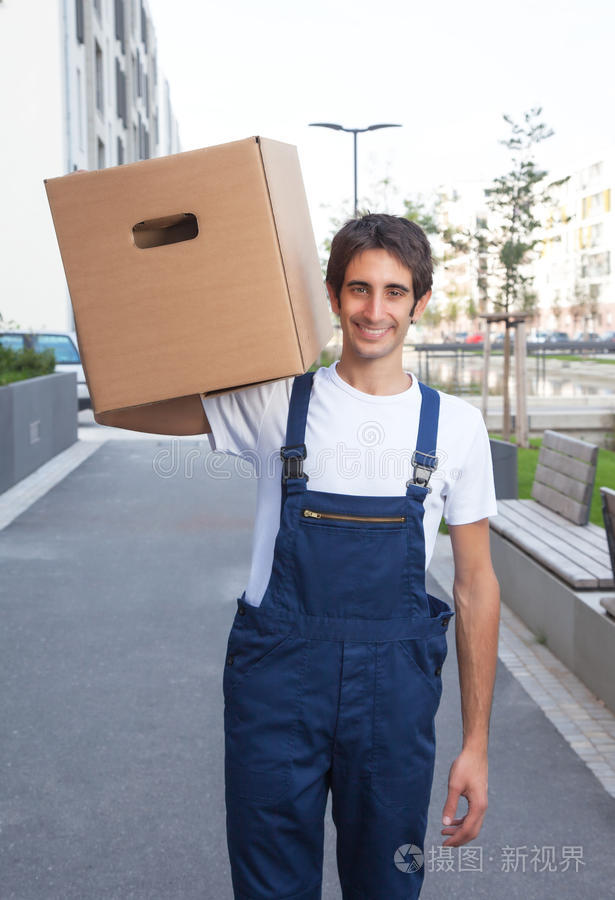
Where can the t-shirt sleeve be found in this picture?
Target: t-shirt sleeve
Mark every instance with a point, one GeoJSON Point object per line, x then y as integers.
{"type": "Point", "coordinates": [472, 493]}
{"type": "Point", "coordinates": [235, 418]}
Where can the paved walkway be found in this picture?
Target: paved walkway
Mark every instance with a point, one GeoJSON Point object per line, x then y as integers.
{"type": "Point", "coordinates": [120, 566]}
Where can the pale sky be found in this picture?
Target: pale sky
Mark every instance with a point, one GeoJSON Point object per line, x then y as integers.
{"type": "Point", "coordinates": [446, 71]}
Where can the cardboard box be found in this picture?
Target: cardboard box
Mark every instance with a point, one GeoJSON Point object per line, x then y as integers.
{"type": "Point", "coordinates": [188, 274]}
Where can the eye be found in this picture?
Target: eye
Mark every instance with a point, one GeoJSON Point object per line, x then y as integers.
{"type": "Point", "coordinates": [358, 288]}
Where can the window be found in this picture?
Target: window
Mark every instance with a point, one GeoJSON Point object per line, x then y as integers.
{"type": "Point", "coordinates": [80, 109]}
{"type": "Point", "coordinates": [596, 203]}
{"type": "Point", "coordinates": [100, 97]}
{"type": "Point", "coordinates": [64, 349]}
{"type": "Point", "coordinates": [146, 93]}
{"type": "Point", "coordinates": [119, 23]}
{"type": "Point", "coordinates": [139, 89]}
{"type": "Point", "coordinates": [124, 100]}
{"type": "Point", "coordinates": [12, 341]}
{"type": "Point", "coordinates": [143, 27]}
{"type": "Point", "coordinates": [97, 7]}
{"type": "Point", "coordinates": [596, 266]}
{"type": "Point", "coordinates": [134, 76]}
{"type": "Point", "coordinates": [120, 152]}
{"type": "Point", "coordinates": [120, 89]}
{"type": "Point", "coordinates": [79, 21]}
{"type": "Point", "coordinates": [101, 154]}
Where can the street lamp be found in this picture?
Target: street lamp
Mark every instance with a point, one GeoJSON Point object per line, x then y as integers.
{"type": "Point", "coordinates": [354, 132]}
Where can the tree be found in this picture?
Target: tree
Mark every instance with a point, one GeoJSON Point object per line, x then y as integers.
{"type": "Point", "coordinates": [8, 324]}
{"type": "Point", "coordinates": [515, 198]}
{"type": "Point", "coordinates": [452, 313]}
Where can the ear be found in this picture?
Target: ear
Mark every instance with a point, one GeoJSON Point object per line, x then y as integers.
{"type": "Point", "coordinates": [335, 303]}
{"type": "Point", "coordinates": [419, 309]}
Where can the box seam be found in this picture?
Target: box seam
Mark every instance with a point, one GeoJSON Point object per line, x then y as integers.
{"type": "Point", "coordinates": [277, 237]}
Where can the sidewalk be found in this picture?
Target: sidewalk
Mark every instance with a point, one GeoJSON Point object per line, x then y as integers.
{"type": "Point", "coordinates": [120, 568]}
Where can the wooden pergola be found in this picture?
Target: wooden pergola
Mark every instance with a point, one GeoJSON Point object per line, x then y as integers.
{"type": "Point", "coordinates": [516, 321]}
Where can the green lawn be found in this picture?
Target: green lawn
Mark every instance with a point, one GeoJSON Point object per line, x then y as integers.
{"type": "Point", "coordinates": [570, 357]}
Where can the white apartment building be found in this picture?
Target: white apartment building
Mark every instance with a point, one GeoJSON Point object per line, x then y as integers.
{"type": "Point", "coordinates": [573, 275]}
{"type": "Point", "coordinates": [82, 89]}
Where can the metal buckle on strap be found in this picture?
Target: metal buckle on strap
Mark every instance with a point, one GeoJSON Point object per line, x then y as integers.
{"type": "Point", "coordinates": [292, 457]}
{"type": "Point", "coordinates": [421, 472]}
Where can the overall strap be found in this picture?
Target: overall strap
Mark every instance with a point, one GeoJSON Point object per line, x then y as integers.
{"type": "Point", "coordinates": [424, 459]}
{"type": "Point", "coordinates": [294, 452]}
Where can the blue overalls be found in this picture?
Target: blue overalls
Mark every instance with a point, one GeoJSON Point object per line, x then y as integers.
{"type": "Point", "coordinates": [333, 682]}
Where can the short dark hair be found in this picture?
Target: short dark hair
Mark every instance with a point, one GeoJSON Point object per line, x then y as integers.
{"type": "Point", "coordinates": [379, 231]}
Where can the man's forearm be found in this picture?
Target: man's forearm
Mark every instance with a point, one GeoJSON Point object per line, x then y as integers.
{"type": "Point", "coordinates": [477, 616]}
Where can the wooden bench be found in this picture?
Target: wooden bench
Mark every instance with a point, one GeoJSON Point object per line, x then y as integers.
{"type": "Point", "coordinates": [553, 527]}
{"type": "Point", "coordinates": [554, 566]}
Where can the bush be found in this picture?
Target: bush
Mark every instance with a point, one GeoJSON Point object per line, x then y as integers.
{"type": "Point", "coordinates": [16, 365]}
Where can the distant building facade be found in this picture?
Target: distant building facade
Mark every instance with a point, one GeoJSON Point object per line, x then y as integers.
{"type": "Point", "coordinates": [83, 90]}
{"type": "Point", "coordinates": [573, 274]}
{"type": "Point", "coordinates": [572, 268]}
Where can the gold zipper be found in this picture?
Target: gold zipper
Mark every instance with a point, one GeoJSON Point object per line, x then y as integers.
{"type": "Point", "coordinates": [312, 514]}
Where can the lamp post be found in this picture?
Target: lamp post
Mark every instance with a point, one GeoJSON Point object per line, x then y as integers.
{"type": "Point", "coordinates": [354, 132]}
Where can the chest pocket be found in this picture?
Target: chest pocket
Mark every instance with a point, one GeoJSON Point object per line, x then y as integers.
{"type": "Point", "coordinates": [341, 561]}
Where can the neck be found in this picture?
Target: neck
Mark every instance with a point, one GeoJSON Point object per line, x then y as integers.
{"type": "Point", "coordinates": [380, 377]}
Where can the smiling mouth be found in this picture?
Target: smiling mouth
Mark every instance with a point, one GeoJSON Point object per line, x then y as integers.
{"type": "Point", "coordinates": [372, 332]}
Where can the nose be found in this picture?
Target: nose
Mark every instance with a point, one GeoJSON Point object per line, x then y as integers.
{"type": "Point", "coordinates": [374, 309]}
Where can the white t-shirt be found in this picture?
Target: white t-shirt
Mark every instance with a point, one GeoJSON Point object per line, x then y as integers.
{"type": "Point", "coordinates": [356, 444]}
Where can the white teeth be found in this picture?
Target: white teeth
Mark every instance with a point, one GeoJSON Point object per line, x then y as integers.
{"type": "Point", "coordinates": [373, 330]}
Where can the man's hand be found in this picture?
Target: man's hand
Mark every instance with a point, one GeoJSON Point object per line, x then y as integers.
{"type": "Point", "coordinates": [467, 777]}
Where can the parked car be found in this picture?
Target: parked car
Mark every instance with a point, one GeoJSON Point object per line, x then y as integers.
{"type": "Point", "coordinates": [539, 337]}
{"type": "Point", "coordinates": [498, 341]}
{"type": "Point", "coordinates": [65, 348]}
{"type": "Point", "coordinates": [475, 338]}
{"type": "Point", "coordinates": [587, 336]}
{"type": "Point", "coordinates": [558, 337]}
{"type": "Point", "coordinates": [608, 338]}
{"type": "Point", "coordinates": [460, 336]}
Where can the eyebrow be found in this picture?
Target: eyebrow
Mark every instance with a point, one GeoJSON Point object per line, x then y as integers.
{"type": "Point", "coordinates": [399, 287]}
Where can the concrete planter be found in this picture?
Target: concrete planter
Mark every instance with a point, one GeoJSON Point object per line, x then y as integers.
{"type": "Point", "coordinates": [38, 419]}
{"type": "Point", "coordinates": [504, 456]}
{"type": "Point", "coordinates": [572, 623]}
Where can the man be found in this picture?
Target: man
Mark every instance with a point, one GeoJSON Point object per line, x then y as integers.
{"type": "Point", "coordinates": [333, 668]}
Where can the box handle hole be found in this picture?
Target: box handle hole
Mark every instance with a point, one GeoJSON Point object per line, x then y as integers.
{"type": "Point", "coordinates": [166, 230]}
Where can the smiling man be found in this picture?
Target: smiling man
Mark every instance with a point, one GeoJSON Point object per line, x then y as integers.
{"type": "Point", "coordinates": [333, 670]}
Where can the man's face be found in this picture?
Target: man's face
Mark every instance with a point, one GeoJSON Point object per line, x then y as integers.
{"type": "Point", "coordinates": [375, 304]}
